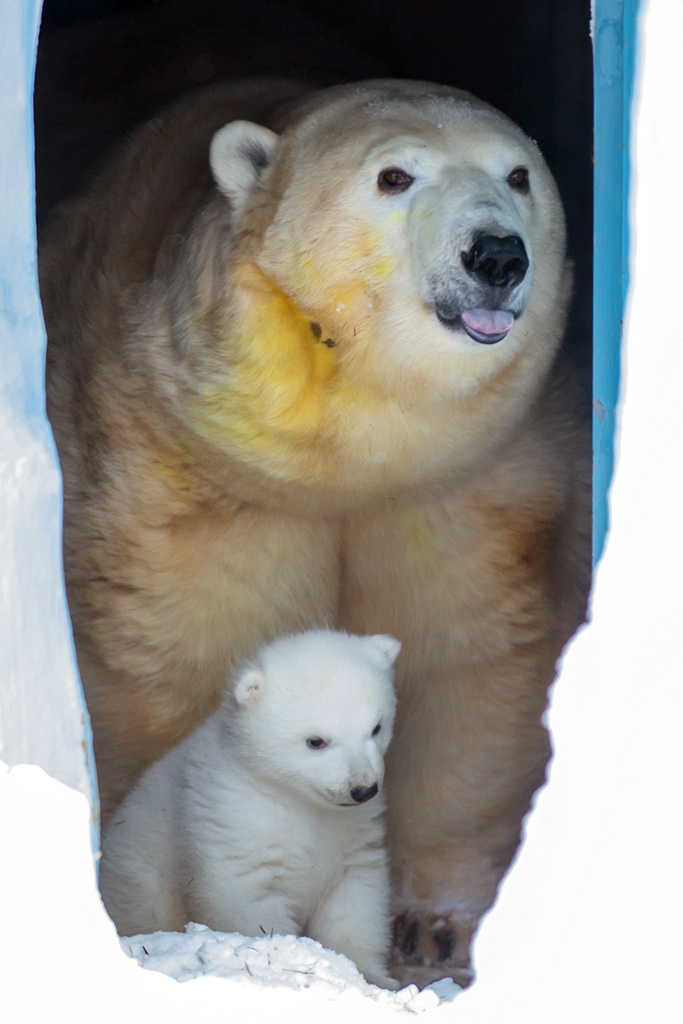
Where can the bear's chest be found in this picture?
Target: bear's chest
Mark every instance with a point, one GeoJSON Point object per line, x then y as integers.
{"type": "Point", "coordinates": [306, 849]}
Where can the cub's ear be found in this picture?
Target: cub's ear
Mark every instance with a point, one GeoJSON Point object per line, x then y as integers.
{"type": "Point", "coordinates": [249, 686]}
{"type": "Point", "coordinates": [387, 647]}
{"type": "Point", "coordinates": [239, 153]}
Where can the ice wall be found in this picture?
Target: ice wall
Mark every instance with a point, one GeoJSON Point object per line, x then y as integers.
{"type": "Point", "coordinates": [42, 715]}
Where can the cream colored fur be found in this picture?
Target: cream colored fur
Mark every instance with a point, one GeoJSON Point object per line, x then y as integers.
{"type": "Point", "coordinates": [264, 427]}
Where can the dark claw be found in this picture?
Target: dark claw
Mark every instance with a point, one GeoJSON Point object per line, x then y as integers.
{"type": "Point", "coordinates": [410, 941]}
{"type": "Point", "coordinates": [446, 942]}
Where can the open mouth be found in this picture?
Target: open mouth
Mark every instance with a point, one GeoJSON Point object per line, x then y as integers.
{"type": "Point", "coordinates": [487, 326]}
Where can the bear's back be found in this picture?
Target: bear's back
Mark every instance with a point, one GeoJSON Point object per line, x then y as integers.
{"type": "Point", "coordinates": [148, 192]}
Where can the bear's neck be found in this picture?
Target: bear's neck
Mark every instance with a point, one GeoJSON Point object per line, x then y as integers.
{"type": "Point", "coordinates": [281, 401]}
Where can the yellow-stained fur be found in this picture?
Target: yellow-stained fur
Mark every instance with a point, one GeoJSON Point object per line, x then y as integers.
{"type": "Point", "coordinates": [264, 427]}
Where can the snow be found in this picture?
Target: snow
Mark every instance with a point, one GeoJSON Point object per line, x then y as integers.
{"type": "Point", "coordinates": [62, 961]}
{"type": "Point", "coordinates": [278, 961]}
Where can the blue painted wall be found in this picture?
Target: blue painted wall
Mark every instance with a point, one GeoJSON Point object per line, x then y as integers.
{"type": "Point", "coordinates": [614, 42]}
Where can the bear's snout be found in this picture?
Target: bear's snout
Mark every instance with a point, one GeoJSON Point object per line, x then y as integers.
{"type": "Point", "coordinates": [361, 794]}
{"type": "Point", "coordinates": [498, 262]}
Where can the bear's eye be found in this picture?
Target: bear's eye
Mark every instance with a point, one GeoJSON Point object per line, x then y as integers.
{"type": "Point", "coordinates": [315, 743]}
{"type": "Point", "coordinates": [392, 180]}
{"type": "Point", "coordinates": [519, 179]}
{"type": "Point", "coordinates": [375, 731]}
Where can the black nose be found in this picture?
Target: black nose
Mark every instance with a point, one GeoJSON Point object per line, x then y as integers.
{"type": "Point", "coordinates": [363, 793]}
{"type": "Point", "coordinates": [501, 262]}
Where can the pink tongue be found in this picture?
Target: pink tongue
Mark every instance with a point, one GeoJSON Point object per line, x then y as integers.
{"type": "Point", "coordinates": [488, 321]}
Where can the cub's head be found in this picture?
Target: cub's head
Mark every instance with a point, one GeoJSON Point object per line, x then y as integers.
{"type": "Point", "coordinates": [418, 230]}
{"type": "Point", "coordinates": [314, 712]}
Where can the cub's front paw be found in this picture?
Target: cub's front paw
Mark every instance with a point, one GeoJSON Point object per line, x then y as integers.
{"type": "Point", "coordinates": [382, 981]}
{"type": "Point", "coordinates": [429, 946]}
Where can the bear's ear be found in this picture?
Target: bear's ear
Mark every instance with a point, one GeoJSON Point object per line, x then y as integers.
{"type": "Point", "coordinates": [249, 686]}
{"type": "Point", "coordinates": [239, 153]}
{"type": "Point", "coordinates": [387, 646]}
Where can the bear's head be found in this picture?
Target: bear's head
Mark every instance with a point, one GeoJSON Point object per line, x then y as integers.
{"type": "Point", "coordinates": [399, 285]}
{"type": "Point", "coordinates": [314, 712]}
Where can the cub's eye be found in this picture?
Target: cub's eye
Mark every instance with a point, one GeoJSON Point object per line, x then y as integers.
{"type": "Point", "coordinates": [315, 743]}
{"type": "Point", "coordinates": [392, 180]}
{"type": "Point", "coordinates": [519, 179]}
{"type": "Point", "coordinates": [375, 731]}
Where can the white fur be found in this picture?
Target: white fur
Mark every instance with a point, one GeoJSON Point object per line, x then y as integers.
{"type": "Point", "coordinates": [245, 828]}
{"type": "Point", "coordinates": [239, 153]}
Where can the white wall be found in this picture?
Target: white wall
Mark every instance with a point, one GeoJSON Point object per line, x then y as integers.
{"type": "Point", "coordinates": [587, 926]}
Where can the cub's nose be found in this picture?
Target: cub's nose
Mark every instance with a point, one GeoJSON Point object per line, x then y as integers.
{"type": "Point", "coordinates": [363, 793]}
{"type": "Point", "coordinates": [501, 262]}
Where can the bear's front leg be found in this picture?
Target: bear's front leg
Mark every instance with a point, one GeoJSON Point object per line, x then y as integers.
{"type": "Point", "coordinates": [354, 919]}
{"type": "Point", "coordinates": [456, 807]}
{"type": "Point", "coordinates": [471, 584]}
{"type": "Point", "coordinates": [222, 900]}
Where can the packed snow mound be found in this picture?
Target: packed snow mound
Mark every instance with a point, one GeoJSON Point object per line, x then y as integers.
{"type": "Point", "coordinates": [270, 961]}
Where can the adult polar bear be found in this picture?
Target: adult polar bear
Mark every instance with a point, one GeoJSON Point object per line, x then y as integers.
{"type": "Point", "coordinates": [305, 379]}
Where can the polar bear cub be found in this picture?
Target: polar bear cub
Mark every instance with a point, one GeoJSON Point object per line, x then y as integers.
{"type": "Point", "coordinates": [269, 817]}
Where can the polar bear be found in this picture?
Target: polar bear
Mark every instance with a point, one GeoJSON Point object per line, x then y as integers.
{"type": "Point", "coordinates": [246, 825]}
{"type": "Point", "coordinates": [303, 371]}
